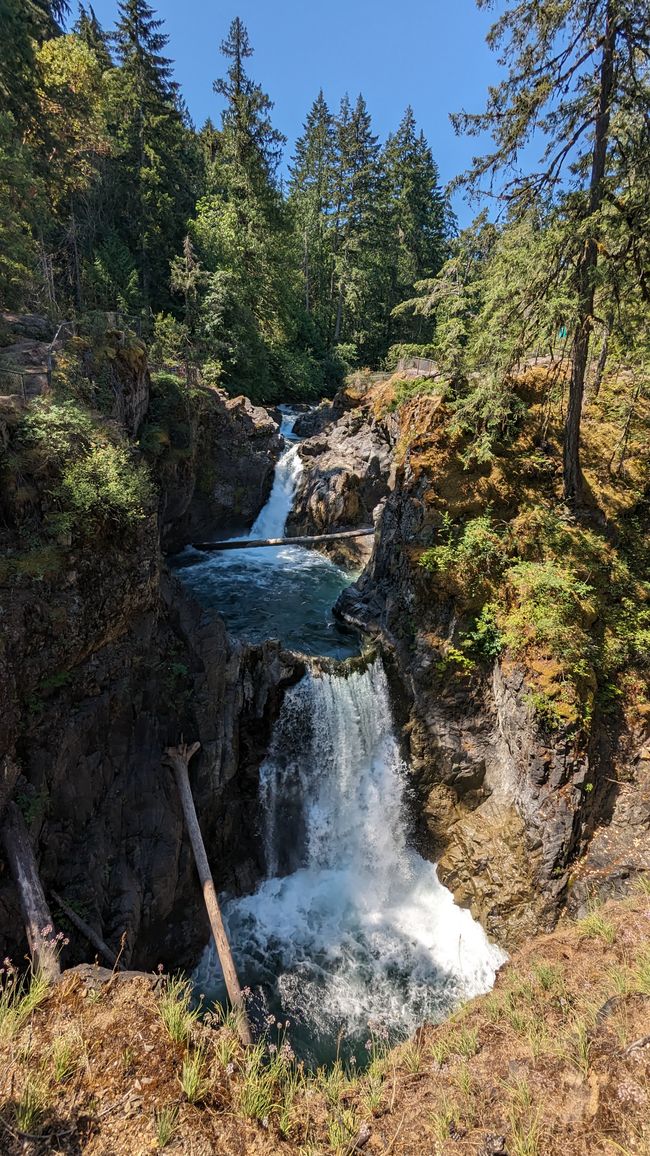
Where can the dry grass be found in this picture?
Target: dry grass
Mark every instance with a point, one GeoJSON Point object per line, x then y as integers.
{"type": "Point", "coordinates": [556, 1059]}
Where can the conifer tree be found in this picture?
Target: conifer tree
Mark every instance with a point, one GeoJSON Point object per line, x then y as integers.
{"type": "Point", "coordinates": [417, 219]}
{"type": "Point", "coordinates": [91, 32]}
{"type": "Point", "coordinates": [243, 233]}
{"type": "Point", "coordinates": [156, 166]}
{"type": "Point", "coordinates": [354, 224]}
{"type": "Point", "coordinates": [573, 67]}
{"type": "Point", "coordinates": [310, 197]}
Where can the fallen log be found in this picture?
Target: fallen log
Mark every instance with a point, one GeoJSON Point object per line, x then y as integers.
{"type": "Point", "coordinates": [86, 930]}
{"type": "Point", "coordinates": [179, 758]}
{"type": "Point", "coordinates": [36, 914]}
{"type": "Point", "coordinates": [304, 540]}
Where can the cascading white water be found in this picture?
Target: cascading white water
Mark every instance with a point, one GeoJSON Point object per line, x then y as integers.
{"type": "Point", "coordinates": [272, 518]}
{"type": "Point", "coordinates": [352, 925]}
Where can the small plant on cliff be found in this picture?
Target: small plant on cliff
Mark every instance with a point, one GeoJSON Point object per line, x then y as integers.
{"type": "Point", "coordinates": [193, 1077]}
{"type": "Point", "coordinates": [166, 1120]}
{"type": "Point", "coordinates": [176, 1012]}
{"type": "Point", "coordinates": [19, 997]}
{"type": "Point", "coordinates": [31, 1105]}
{"type": "Point", "coordinates": [468, 557]}
{"type": "Point", "coordinates": [596, 926]}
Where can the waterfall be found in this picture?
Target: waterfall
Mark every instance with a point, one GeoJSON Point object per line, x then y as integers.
{"type": "Point", "coordinates": [284, 592]}
{"type": "Point", "coordinates": [272, 519]}
{"type": "Point", "coordinates": [352, 925]}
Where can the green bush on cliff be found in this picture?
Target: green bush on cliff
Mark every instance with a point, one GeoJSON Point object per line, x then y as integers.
{"type": "Point", "coordinates": [106, 488]}
{"type": "Point", "coordinates": [57, 431]}
{"type": "Point", "coordinates": [468, 556]}
{"type": "Point", "coordinates": [553, 608]}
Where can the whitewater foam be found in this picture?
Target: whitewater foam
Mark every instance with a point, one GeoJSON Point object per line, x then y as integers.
{"type": "Point", "coordinates": [352, 925]}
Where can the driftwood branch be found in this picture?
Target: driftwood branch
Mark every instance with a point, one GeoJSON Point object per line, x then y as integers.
{"type": "Point", "coordinates": [86, 930]}
{"type": "Point", "coordinates": [305, 540]}
{"type": "Point", "coordinates": [36, 914]}
{"type": "Point", "coordinates": [179, 758]}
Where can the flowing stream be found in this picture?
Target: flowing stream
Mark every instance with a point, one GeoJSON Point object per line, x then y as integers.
{"type": "Point", "coordinates": [284, 592]}
{"type": "Point", "coordinates": [351, 927]}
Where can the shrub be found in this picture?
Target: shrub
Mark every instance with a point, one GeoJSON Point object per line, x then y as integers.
{"type": "Point", "coordinates": [106, 488]}
{"type": "Point", "coordinates": [553, 610]}
{"type": "Point", "coordinates": [485, 640]}
{"type": "Point", "coordinates": [59, 432]}
{"type": "Point", "coordinates": [468, 556]}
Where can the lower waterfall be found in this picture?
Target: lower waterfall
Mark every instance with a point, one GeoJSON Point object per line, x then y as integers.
{"type": "Point", "coordinates": [352, 926]}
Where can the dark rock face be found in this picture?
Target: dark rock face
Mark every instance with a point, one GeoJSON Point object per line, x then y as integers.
{"type": "Point", "coordinates": [104, 661]}
{"type": "Point", "coordinates": [347, 473]}
{"type": "Point", "coordinates": [220, 489]}
{"type": "Point", "coordinates": [130, 384]}
{"type": "Point", "coordinates": [91, 707]}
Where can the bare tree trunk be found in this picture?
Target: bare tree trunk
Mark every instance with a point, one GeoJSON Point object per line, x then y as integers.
{"type": "Point", "coordinates": [602, 359]}
{"type": "Point", "coordinates": [179, 758]}
{"type": "Point", "coordinates": [36, 914]}
{"type": "Point", "coordinates": [573, 480]}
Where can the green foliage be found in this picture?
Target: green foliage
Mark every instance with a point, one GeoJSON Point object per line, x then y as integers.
{"type": "Point", "coordinates": [176, 1011]}
{"type": "Point", "coordinates": [59, 431]}
{"type": "Point", "coordinates": [406, 350]}
{"type": "Point", "coordinates": [18, 249]}
{"type": "Point", "coordinates": [484, 640]}
{"type": "Point", "coordinates": [553, 606]}
{"type": "Point", "coordinates": [106, 489]}
{"type": "Point", "coordinates": [410, 387]}
{"type": "Point", "coordinates": [166, 433]}
{"type": "Point", "coordinates": [469, 556]}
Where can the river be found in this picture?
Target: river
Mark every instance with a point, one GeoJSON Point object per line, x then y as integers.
{"type": "Point", "coordinates": [351, 926]}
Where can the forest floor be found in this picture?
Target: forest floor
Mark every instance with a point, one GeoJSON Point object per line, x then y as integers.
{"type": "Point", "coordinates": [555, 1060]}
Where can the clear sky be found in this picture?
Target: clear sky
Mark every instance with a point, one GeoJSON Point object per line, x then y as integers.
{"type": "Point", "coordinates": [427, 53]}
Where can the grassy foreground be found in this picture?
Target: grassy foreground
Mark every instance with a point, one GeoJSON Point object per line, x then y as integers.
{"type": "Point", "coordinates": [556, 1060]}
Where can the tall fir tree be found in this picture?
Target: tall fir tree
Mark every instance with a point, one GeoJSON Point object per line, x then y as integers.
{"type": "Point", "coordinates": [354, 225]}
{"type": "Point", "coordinates": [311, 200]}
{"type": "Point", "coordinates": [417, 223]}
{"type": "Point", "coordinates": [243, 233]}
{"type": "Point", "coordinates": [572, 69]}
{"type": "Point", "coordinates": [156, 161]}
{"type": "Point", "coordinates": [91, 32]}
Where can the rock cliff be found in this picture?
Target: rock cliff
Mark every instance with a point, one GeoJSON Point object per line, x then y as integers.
{"type": "Point", "coordinates": [104, 660]}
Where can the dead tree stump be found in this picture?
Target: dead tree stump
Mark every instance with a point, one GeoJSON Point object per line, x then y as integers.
{"type": "Point", "coordinates": [35, 911]}
{"type": "Point", "coordinates": [179, 758]}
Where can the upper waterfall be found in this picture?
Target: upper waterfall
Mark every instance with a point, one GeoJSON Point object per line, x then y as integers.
{"type": "Point", "coordinates": [272, 518]}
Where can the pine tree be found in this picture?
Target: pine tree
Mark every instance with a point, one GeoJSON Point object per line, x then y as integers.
{"type": "Point", "coordinates": [249, 140]}
{"type": "Point", "coordinates": [91, 32]}
{"type": "Point", "coordinates": [418, 220]}
{"type": "Point", "coordinates": [156, 164]}
{"type": "Point", "coordinates": [572, 68]}
{"type": "Point", "coordinates": [354, 224]}
{"type": "Point", "coordinates": [243, 233]}
{"type": "Point", "coordinates": [311, 199]}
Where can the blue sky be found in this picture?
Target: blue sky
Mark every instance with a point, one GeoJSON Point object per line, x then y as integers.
{"type": "Point", "coordinates": [427, 53]}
